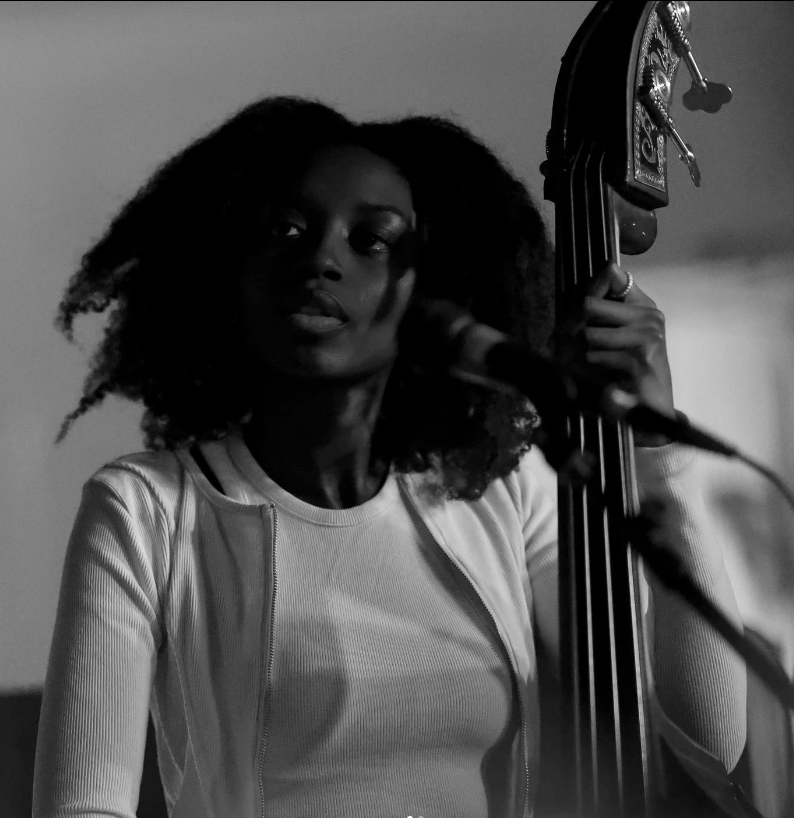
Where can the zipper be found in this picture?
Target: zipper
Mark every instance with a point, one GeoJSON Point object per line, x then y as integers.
{"type": "Point", "coordinates": [268, 678]}
{"type": "Point", "coordinates": [513, 669]}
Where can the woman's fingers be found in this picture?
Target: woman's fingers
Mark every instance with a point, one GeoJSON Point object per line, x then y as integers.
{"type": "Point", "coordinates": [625, 365]}
{"type": "Point", "coordinates": [602, 312]}
{"type": "Point", "coordinates": [633, 351]}
{"type": "Point", "coordinates": [612, 280]}
{"type": "Point", "coordinates": [625, 338]}
{"type": "Point", "coordinates": [628, 337]}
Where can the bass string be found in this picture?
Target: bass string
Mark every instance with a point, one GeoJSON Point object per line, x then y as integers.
{"type": "Point", "coordinates": [586, 241]}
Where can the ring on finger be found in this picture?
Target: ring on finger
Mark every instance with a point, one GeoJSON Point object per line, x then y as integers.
{"type": "Point", "coordinates": [621, 296]}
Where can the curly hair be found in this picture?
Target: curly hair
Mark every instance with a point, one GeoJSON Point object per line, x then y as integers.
{"type": "Point", "coordinates": [167, 267]}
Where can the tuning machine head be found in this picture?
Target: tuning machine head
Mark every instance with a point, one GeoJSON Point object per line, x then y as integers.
{"type": "Point", "coordinates": [711, 100]}
{"type": "Point", "coordinates": [704, 95]}
{"type": "Point", "coordinates": [654, 94]}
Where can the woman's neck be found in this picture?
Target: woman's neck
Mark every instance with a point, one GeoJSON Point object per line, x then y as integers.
{"type": "Point", "coordinates": [315, 439]}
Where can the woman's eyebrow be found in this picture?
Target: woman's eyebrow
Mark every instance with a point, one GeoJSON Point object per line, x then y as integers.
{"type": "Point", "coordinates": [301, 203]}
{"type": "Point", "coordinates": [372, 207]}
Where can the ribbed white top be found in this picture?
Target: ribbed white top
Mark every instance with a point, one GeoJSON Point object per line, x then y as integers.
{"type": "Point", "coordinates": [390, 690]}
{"type": "Point", "coordinates": [379, 648]}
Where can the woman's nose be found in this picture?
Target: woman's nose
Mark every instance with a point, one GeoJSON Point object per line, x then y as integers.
{"type": "Point", "coordinates": [325, 256]}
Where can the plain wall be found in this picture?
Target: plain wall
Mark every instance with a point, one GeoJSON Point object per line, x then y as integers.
{"type": "Point", "coordinates": [730, 329]}
{"type": "Point", "coordinates": [96, 95]}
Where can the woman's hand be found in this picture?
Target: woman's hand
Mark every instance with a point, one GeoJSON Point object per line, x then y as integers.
{"type": "Point", "coordinates": [626, 339]}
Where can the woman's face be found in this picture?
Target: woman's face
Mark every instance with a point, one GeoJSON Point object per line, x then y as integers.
{"type": "Point", "coordinates": [346, 228]}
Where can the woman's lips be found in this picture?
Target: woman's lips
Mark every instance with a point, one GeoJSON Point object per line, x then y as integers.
{"type": "Point", "coordinates": [315, 324]}
{"type": "Point", "coordinates": [313, 302]}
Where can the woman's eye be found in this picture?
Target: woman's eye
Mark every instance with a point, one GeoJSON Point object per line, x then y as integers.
{"type": "Point", "coordinates": [284, 230]}
{"type": "Point", "coordinates": [371, 242]}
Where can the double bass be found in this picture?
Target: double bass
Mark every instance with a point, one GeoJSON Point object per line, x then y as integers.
{"type": "Point", "coordinates": [606, 173]}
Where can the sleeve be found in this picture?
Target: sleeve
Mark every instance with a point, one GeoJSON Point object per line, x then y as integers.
{"type": "Point", "coordinates": [700, 684]}
{"type": "Point", "coordinates": [92, 730]}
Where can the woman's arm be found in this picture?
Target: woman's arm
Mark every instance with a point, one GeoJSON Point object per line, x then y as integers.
{"type": "Point", "coordinates": [699, 704]}
{"type": "Point", "coordinates": [92, 729]}
{"type": "Point", "coordinates": [700, 683]}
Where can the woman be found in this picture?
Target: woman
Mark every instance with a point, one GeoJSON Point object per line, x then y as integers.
{"type": "Point", "coordinates": [329, 575]}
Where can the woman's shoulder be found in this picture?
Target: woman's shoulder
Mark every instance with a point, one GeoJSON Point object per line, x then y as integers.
{"type": "Point", "coordinates": [533, 483]}
{"type": "Point", "coordinates": [158, 473]}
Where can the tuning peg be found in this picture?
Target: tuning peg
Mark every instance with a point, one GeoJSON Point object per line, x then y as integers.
{"type": "Point", "coordinates": [711, 100]}
{"type": "Point", "coordinates": [654, 90]}
{"type": "Point", "coordinates": [704, 95]}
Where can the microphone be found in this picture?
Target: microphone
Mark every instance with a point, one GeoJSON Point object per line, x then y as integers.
{"type": "Point", "coordinates": [439, 335]}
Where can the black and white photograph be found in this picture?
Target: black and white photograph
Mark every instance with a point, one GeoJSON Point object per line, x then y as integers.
{"type": "Point", "coordinates": [397, 409]}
